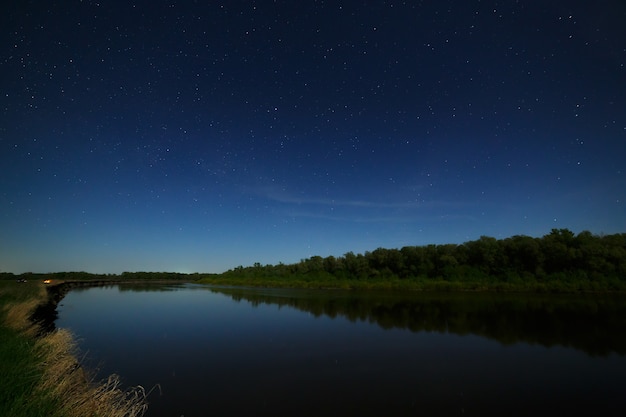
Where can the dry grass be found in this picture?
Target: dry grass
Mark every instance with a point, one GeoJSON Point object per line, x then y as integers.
{"type": "Point", "coordinates": [17, 312]}
{"type": "Point", "coordinates": [17, 316]}
{"type": "Point", "coordinates": [63, 378]}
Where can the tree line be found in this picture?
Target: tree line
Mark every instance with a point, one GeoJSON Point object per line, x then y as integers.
{"type": "Point", "coordinates": [560, 260]}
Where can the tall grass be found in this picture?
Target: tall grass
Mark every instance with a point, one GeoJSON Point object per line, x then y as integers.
{"type": "Point", "coordinates": [40, 376]}
{"type": "Point", "coordinates": [20, 375]}
{"type": "Point", "coordinates": [63, 377]}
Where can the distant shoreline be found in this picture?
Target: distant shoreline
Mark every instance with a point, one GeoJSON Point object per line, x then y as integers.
{"type": "Point", "coordinates": [557, 262]}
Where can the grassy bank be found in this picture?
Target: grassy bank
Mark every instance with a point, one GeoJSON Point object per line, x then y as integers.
{"type": "Point", "coordinates": [413, 284]}
{"type": "Point", "coordinates": [40, 373]}
{"type": "Point", "coordinates": [314, 283]}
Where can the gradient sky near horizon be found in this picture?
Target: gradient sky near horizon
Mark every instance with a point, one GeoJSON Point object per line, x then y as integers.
{"type": "Point", "coordinates": [195, 136]}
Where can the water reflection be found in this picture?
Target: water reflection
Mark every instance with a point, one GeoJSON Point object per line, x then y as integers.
{"type": "Point", "coordinates": [266, 352]}
{"type": "Point", "coordinates": [593, 324]}
{"type": "Point", "coordinates": [132, 287]}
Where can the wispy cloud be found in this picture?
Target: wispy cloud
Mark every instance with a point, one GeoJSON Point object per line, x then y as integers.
{"type": "Point", "coordinates": [376, 218]}
{"type": "Point", "coordinates": [282, 195]}
{"type": "Point", "coordinates": [290, 199]}
{"type": "Point", "coordinates": [363, 211]}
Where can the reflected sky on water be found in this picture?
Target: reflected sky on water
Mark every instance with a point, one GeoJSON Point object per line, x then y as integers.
{"type": "Point", "coordinates": [233, 351]}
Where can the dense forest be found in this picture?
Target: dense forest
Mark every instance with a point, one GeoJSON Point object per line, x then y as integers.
{"type": "Point", "coordinates": [558, 261]}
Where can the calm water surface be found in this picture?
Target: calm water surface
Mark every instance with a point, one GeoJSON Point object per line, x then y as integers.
{"type": "Point", "coordinates": [244, 352]}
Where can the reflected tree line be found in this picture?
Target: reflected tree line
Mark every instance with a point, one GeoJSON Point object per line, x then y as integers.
{"type": "Point", "coordinates": [559, 260]}
{"type": "Point", "coordinates": [595, 325]}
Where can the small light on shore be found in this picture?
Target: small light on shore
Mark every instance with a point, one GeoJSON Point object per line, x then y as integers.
{"type": "Point", "coordinates": [47, 281]}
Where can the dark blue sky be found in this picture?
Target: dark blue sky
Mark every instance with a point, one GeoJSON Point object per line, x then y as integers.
{"type": "Point", "coordinates": [198, 136]}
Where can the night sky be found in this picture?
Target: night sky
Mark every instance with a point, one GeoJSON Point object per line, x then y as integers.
{"type": "Point", "coordinates": [198, 136]}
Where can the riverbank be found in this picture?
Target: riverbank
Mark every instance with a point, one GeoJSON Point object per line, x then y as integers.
{"type": "Point", "coordinates": [41, 374]}
{"type": "Point", "coordinates": [413, 284]}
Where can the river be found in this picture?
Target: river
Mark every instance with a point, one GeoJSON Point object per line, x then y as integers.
{"type": "Point", "coordinates": [209, 351]}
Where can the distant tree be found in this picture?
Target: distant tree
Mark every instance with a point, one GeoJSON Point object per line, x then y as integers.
{"type": "Point", "coordinates": [486, 255]}
{"type": "Point", "coordinates": [558, 250]}
{"type": "Point", "coordinates": [523, 254]}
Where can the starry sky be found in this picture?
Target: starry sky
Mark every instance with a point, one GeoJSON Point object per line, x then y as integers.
{"type": "Point", "coordinates": [196, 136]}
